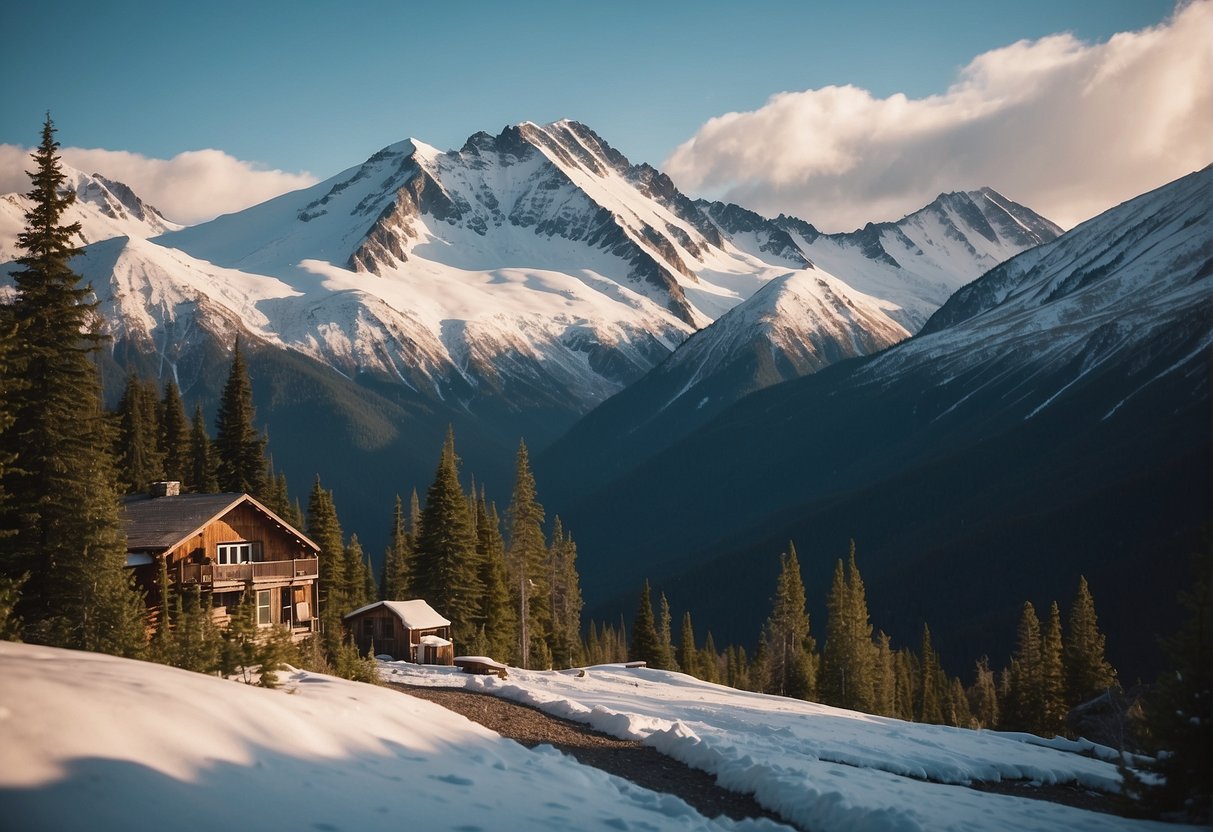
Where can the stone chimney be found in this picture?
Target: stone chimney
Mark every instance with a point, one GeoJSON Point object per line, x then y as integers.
{"type": "Point", "coordinates": [166, 489]}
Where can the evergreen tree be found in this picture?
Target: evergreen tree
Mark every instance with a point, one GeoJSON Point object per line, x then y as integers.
{"type": "Point", "coordinates": [1025, 707]}
{"type": "Point", "coordinates": [665, 641]}
{"type": "Point", "coordinates": [163, 648]}
{"type": "Point", "coordinates": [137, 448]}
{"type": "Point", "coordinates": [1052, 678]}
{"type": "Point", "coordinates": [847, 661]}
{"type": "Point", "coordinates": [201, 470]}
{"type": "Point", "coordinates": [395, 580]}
{"type": "Point", "coordinates": [983, 696]}
{"type": "Point", "coordinates": [525, 560]}
{"type": "Point", "coordinates": [645, 647]}
{"type": "Point", "coordinates": [930, 683]}
{"type": "Point", "coordinates": [197, 641]}
{"type": "Point", "coordinates": [446, 566]}
{"type": "Point", "coordinates": [790, 646]}
{"type": "Point", "coordinates": [565, 601]}
{"type": "Point", "coordinates": [709, 660]}
{"type": "Point", "coordinates": [324, 529]}
{"type": "Point", "coordinates": [956, 707]}
{"type": "Point", "coordinates": [239, 447]}
{"type": "Point", "coordinates": [360, 581]}
{"type": "Point", "coordinates": [884, 678]}
{"type": "Point", "coordinates": [500, 621]}
{"type": "Point", "coordinates": [905, 703]}
{"type": "Point", "coordinates": [174, 444]}
{"type": "Point", "coordinates": [687, 652]}
{"type": "Point", "coordinates": [1088, 672]}
{"type": "Point", "coordinates": [61, 494]}
{"type": "Point", "coordinates": [239, 651]}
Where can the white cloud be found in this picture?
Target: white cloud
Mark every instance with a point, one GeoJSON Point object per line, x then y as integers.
{"type": "Point", "coordinates": [191, 187]}
{"type": "Point", "coordinates": [1065, 127]}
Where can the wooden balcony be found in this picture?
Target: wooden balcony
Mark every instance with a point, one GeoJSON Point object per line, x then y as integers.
{"type": "Point", "coordinates": [259, 572]}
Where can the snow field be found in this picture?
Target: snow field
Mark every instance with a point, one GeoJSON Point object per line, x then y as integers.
{"type": "Point", "coordinates": [821, 767]}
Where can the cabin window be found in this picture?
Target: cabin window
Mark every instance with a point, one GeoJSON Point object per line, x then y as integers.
{"type": "Point", "coordinates": [263, 608]}
{"type": "Point", "coordinates": [234, 553]}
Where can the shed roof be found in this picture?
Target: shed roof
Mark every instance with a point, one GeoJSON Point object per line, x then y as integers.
{"type": "Point", "coordinates": [415, 615]}
{"type": "Point", "coordinates": [157, 524]}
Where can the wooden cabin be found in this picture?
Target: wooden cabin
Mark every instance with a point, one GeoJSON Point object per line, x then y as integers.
{"type": "Point", "coordinates": [221, 543]}
{"type": "Point", "coordinates": [410, 631]}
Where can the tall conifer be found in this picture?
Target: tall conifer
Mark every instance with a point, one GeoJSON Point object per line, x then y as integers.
{"type": "Point", "coordinates": [525, 559]}
{"type": "Point", "coordinates": [1088, 671]}
{"type": "Point", "coordinates": [790, 648]}
{"type": "Point", "coordinates": [394, 584]}
{"type": "Point", "coordinates": [446, 565]}
{"type": "Point", "coordinates": [239, 447]}
{"type": "Point", "coordinates": [174, 440]}
{"type": "Point", "coordinates": [687, 651]}
{"type": "Point", "coordinates": [201, 469]}
{"type": "Point", "coordinates": [1052, 677]}
{"type": "Point", "coordinates": [565, 588]}
{"type": "Point", "coordinates": [500, 620]}
{"type": "Point", "coordinates": [644, 646]}
{"type": "Point", "coordinates": [62, 500]}
{"type": "Point", "coordinates": [1025, 706]}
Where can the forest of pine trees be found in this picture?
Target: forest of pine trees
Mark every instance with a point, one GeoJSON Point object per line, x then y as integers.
{"type": "Point", "coordinates": [1052, 670]}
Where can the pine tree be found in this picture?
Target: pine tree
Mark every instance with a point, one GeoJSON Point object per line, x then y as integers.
{"type": "Point", "coordinates": [709, 660]}
{"type": "Point", "coordinates": [324, 529]}
{"type": "Point", "coordinates": [174, 444]}
{"type": "Point", "coordinates": [197, 641]}
{"type": "Point", "coordinates": [446, 566]}
{"type": "Point", "coordinates": [930, 694]}
{"type": "Point", "coordinates": [61, 493]}
{"type": "Point", "coordinates": [1088, 672]}
{"type": "Point", "coordinates": [1025, 706]}
{"type": "Point", "coordinates": [565, 587]}
{"type": "Point", "coordinates": [687, 652]}
{"type": "Point", "coordinates": [665, 641]}
{"type": "Point", "coordinates": [790, 646]}
{"type": "Point", "coordinates": [359, 581]}
{"type": "Point", "coordinates": [983, 696]}
{"type": "Point", "coordinates": [644, 646]}
{"type": "Point", "coordinates": [525, 559]}
{"type": "Point", "coordinates": [201, 469]}
{"type": "Point", "coordinates": [395, 581]}
{"type": "Point", "coordinates": [239, 447]}
{"type": "Point", "coordinates": [500, 620]}
{"type": "Point", "coordinates": [884, 678]}
{"type": "Point", "coordinates": [137, 447]}
{"type": "Point", "coordinates": [1052, 678]}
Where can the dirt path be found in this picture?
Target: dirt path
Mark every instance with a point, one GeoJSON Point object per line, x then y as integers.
{"type": "Point", "coordinates": [629, 759]}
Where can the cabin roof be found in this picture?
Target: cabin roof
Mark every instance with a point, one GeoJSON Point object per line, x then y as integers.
{"type": "Point", "coordinates": [415, 615]}
{"type": "Point", "coordinates": [158, 524]}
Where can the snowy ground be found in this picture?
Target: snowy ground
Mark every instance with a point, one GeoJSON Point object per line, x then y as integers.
{"type": "Point", "coordinates": [824, 768]}
{"type": "Point", "coordinates": [99, 743]}
{"type": "Point", "coordinates": [92, 742]}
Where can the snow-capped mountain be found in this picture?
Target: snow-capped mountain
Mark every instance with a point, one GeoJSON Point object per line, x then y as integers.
{"type": "Point", "coordinates": [104, 208]}
{"type": "Point", "coordinates": [1050, 421]}
{"type": "Point", "coordinates": [915, 263]}
{"type": "Point", "coordinates": [507, 287]}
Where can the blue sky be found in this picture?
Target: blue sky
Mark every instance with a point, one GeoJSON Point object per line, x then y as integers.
{"type": "Point", "coordinates": [317, 87]}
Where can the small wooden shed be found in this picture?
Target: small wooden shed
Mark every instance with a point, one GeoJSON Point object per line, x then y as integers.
{"type": "Point", "coordinates": [410, 631]}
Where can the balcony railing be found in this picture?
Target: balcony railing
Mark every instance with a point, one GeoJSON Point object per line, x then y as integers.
{"type": "Point", "coordinates": [257, 572]}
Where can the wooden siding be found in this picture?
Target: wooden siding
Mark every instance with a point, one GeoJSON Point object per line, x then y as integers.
{"type": "Point", "coordinates": [243, 523]}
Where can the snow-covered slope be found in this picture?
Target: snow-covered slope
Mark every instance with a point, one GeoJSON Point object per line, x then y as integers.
{"type": "Point", "coordinates": [822, 768]}
{"type": "Point", "coordinates": [93, 742]}
{"type": "Point", "coordinates": [103, 208]}
{"type": "Point", "coordinates": [100, 743]}
{"type": "Point", "coordinates": [1132, 282]}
